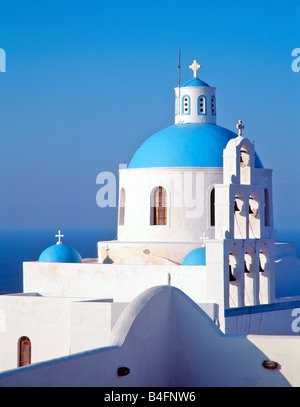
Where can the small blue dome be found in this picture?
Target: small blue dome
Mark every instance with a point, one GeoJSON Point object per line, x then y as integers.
{"type": "Point", "coordinates": [194, 82]}
{"type": "Point", "coordinates": [60, 253]}
{"type": "Point", "coordinates": [195, 258]}
{"type": "Point", "coordinates": [185, 145]}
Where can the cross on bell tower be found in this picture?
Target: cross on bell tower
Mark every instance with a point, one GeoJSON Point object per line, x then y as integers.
{"type": "Point", "coordinates": [240, 127]}
{"type": "Point", "coordinates": [194, 67]}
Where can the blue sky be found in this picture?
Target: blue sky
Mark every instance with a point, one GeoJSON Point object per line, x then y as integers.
{"type": "Point", "coordinates": [88, 81]}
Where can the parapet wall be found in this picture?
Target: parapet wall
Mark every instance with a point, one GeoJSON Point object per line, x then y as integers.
{"type": "Point", "coordinates": [165, 339]}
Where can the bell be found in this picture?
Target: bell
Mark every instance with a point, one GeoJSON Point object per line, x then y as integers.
{"type": "Point", "coordinates": [246, 270]}
{"type": "Point", "coordinates": [260, 268]}
{"type": "Point", "coordinates": [236, 208]}
{"type": "Point", "coordinates": [231, 276]}
{"type": "Point", "coordinates": [251, 212]}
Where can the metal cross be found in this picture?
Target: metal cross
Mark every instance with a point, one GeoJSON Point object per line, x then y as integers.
{"type": "Point", "coordinates": [240, 127]}
{"type": "Point", "coordinates": [59, 237]}
{"type": "Point", "coordinates": [194, 67]}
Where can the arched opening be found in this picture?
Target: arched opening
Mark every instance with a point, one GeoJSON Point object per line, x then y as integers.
{"type": "Point", "coordinates": [158, 215]}
{"type": "Point", "coordinates": [122, 207]}
{"type": "Point", "coordinates": [24, 351]}
{"type": "Point", "coordinates": [235, 294]}
{"type": "Point", "coordinates": [254, 218]}
{"type": "Point", "coordinates": [249, 276]}
{"type": "Point", "coordinates": [267, 208]}
{"type": "Point", "coordinates": [212, 208]}
{"type": "Point", "coordinates": [264, 274]}
{"type": "Point", "coordinates": [245, 167]}
{"type": "Point", "coordinates": [240, 220]}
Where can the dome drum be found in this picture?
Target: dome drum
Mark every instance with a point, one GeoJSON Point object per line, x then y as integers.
{"type": "Point", "coordinates": [195, 104]}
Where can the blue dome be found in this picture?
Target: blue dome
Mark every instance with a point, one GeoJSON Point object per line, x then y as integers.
{"type": "Point", "coordinates": [194, 82]}
{"type": "Point", "coordinates": [185, 145]}
{"type": "Point", "coordinates": [60, 253]}
{"type": "Point", "coordinates": [195, 258]}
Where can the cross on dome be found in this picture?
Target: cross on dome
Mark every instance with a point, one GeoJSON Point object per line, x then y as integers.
{"type": "Point", "coordinates": [240, 127]}
{"type": "Point", "coordinates": [194, 67]}
{"type": "Point", "coordinates": [59, 235]}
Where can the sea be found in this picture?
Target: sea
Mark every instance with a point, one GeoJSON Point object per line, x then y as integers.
{"type": "Point", "coordinates": [17, 246]}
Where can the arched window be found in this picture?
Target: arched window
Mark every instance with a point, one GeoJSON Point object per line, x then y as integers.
{"type": "Point", "coordinates": [122, 207]}
{"type": "Point", "coordinates": [185, 104]}
{"type": "Point", "coordinates": [212, 208]}
{"type": "Point", "coordinates": [159, 207]}
{"type": "Point", "coordinates": [202, 105]}
{"type": "Point", "coordinates": [213, 105]}
{"type": "Point", "coordinates": [24, 351]}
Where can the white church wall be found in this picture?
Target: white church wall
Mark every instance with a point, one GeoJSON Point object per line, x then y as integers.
{"type": "Point", "coordinates": [155, 253]}
{"type": "Point", "coordinates": [45, 321]}
{"type": "Point", "coordinates": [55, 326]}
{"type": "Point", "coordinates": [188, 209]}
{"type": "Point", "coordinates": [91, 323]}
{"type": "Point", "coordinates": [167, 340]}
{"type": "Point", "coordinates": [110, 281]}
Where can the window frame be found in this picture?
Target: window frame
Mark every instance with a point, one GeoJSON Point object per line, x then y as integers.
{"type": "Point", "coordinates": [22, 360]}
{"type": "Point", "coordinates": [205, 105]}
{"type": "Point", "coordinates": [159, 206]}
{"type": "Point", "coordinates": [213, 100]}
{"type": "Point", "coordinates": [183, 107]}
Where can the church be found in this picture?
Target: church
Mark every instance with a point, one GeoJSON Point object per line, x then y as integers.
{"type": "Point", "coordinates": [195, 283]}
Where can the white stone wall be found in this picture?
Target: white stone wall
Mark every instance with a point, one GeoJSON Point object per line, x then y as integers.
{"type": "Point", "coordinates": [55, 326]}
{"type": "Point", "coordinates": [188, 203]}
{"type": "Point", "coordinates": [194, 92]}
{"type": "Point", "coordinates": [122, 283]}
{"type": "Point", "coordinates": [167, 340]}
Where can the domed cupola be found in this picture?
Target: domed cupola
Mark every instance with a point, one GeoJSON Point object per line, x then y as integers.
{"type": "Point", "coordinates": [195, 101]}
{"type": "Point", "coordinates": [196, 257]}
{"type": "Point", "coordinates": [60, 253]}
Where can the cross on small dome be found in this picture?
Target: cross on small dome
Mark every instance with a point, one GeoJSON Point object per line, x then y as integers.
{"type": "Point", "coordinates": [59, 235]}
{"type": "Point", "coordinates": [240, 127]}
{"type": "Point", "coordinates": [194, 67]}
